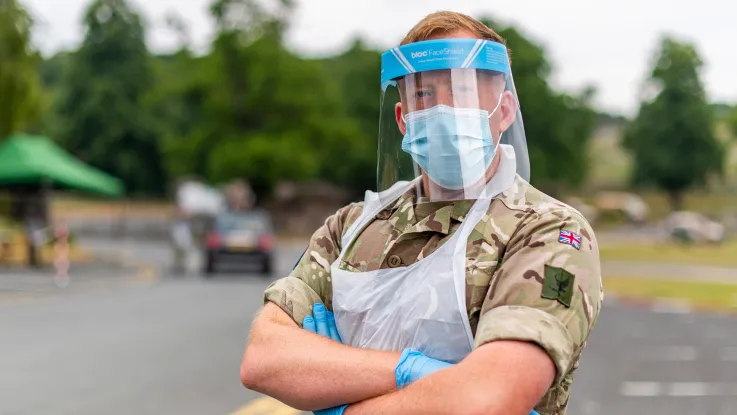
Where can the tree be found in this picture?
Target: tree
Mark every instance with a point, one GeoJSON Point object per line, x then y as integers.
{"type": "Point", "coordinates": [672, 137]}
{"type": "Point", "coordinates": [733, 122]}
{"type": "Point", "coordinates": [19, 82]}
{"type": "Point", "coordinates": [558, 126]}
{"type": "Point", "coordinates": [104, 121]}
{"type": "Point", "coordinates": [355, 72]}
{"type": "Point", "coordinates": [253, 110]}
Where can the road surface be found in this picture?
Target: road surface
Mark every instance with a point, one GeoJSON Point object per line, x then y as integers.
{"type": "Point", "coordinates": [173, 346]}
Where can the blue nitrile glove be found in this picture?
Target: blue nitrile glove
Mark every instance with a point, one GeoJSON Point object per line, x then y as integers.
{"type": "Point", "coordinates": [338, 410]}
{"type": "Point", "coordinates": [322, 322]}
{"type": "Point", "coordinates": [414, 365]}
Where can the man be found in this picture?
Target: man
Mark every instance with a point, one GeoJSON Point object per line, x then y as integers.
{"type": "Point", "coordinates": [467, 264]}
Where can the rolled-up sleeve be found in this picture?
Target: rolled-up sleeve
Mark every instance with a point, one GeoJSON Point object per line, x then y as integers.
{"type": "Point", "coordinates": [310, 282]}
{"type": "Point", "coordinates": [547, 291]}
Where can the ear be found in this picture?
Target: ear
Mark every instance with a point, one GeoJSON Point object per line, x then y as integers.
{"type": "Point", "coordinates": [400, 121]}
{"type": "Point", "coordinates": [508, 110]}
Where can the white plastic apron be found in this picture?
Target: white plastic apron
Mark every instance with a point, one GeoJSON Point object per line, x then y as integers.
{"type": "Point", "coordinates": [420, 306]}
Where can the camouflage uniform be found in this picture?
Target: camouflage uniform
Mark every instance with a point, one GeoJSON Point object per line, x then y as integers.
{"type": "Point", "coordinates": [522, 283]}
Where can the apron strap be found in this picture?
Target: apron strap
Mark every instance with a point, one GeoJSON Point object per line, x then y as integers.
{"type": "Point", "coordinates": [372, 205]}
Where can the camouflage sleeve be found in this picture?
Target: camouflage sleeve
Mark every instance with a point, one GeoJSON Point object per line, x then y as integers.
{"type": "Point", "coordinates": [546, 291]}
{"type": "Point", "coordinates": [309, 282]}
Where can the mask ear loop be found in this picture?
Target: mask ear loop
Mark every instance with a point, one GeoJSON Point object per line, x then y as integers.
{"type": "Point", "coordinates": [498, 104]}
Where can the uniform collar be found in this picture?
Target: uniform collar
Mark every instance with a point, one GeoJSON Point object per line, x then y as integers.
{"type": "Point", "coordinates": [405, 213]}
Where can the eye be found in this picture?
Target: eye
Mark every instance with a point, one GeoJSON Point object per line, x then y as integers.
{"type": "Point", "coordinates": [423, 94]}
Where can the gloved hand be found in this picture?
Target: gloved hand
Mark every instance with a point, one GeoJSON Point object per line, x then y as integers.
{"type": "Point", "coordinates": [338, 410]}
{"type": "Point", "coordinates": [322, 322]}
{"type": "Point", "coordinates": [414, 365]}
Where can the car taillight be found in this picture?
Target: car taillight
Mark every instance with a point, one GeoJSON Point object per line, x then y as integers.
{"type": "Point", "coordinates": [213, 240]}
{"type": "Point", "coordinates": [265, 242]}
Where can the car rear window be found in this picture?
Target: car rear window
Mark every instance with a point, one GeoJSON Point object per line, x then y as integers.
{"type": "Point", "coordinates": [254, 223]}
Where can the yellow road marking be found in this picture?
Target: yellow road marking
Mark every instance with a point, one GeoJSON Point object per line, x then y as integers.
{"type": "Point", "coordinates": [266, 406]}
{"type": "Point", "coordinates": [147, 275]}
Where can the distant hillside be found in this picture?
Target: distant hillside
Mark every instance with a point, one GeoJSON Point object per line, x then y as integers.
{"type": "Point", "coordinates": [610, 120]}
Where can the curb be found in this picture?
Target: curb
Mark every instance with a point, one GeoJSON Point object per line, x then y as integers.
{"type": "Point", "coordinates": [663, 305]}
{"type": "Point", "coordinates": [142, 274]}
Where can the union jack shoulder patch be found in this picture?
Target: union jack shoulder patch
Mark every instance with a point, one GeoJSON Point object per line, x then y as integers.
{"type": "Point", "coordinates": [570, 238]}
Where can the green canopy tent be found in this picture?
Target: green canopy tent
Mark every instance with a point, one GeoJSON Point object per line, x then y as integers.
{"type": "Point", "coordinates": [27, 160]}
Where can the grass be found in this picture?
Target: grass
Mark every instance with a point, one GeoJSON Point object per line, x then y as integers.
{"type": "Point", "coordinates": [709, 255]}
{"type": "Point", "coordinates": [611, 166]}
{"type": "Point", "coordinates": [710, 204]}
{"type": "Point", "coordinates": [701, 295]}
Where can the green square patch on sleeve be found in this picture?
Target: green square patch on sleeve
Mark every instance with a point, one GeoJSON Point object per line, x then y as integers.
{"type": "Point", "coordinates": [558, 285]}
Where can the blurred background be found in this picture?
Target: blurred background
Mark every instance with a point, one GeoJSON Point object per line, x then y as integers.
{"type": "Point", "coordinates": [162, 161]}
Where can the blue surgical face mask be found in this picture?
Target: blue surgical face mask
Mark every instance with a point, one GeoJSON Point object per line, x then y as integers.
{"type": "Point", "coordinates": [454, 146]}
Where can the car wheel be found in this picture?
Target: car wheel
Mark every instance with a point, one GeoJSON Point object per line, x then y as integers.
{"type": "Point", "coordinates": [266, 268]}
{"type": "Point", "coordinates": [210, 265]}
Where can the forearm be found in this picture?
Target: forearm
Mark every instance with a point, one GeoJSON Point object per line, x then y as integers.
{"type": "Point", "coordinates": [506, 378]}
{"type": "Point", "coordinates": [438, 394]}
{"type": "Point", "coordinates": [310, 372]}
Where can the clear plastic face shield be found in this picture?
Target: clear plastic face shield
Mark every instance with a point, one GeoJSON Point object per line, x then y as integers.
{"type": "Point", "coordinates": [450, 118]}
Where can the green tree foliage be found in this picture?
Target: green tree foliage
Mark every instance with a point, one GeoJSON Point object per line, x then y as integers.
{"type": "Point", "coordinates": [356, 73]}
{"type": "Point", "coordinates": [101, 117]}
{"type": "Point", "coordinates": [672, 138]}
{"type": "Point", "coordinates": [250, 108]}
{"type": "Point", "coordinates": [20, 99]}
{"type": "Point", "coordinates": [733, 122]}
{"type": "Point", "coordinates": [558, 126]}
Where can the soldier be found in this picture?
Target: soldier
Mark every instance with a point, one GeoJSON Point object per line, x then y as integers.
{"type": "Point", "coordinates": [457, 287]}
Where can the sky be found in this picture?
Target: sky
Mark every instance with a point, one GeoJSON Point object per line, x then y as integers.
{"type": "Point", "coordinates": [607, 44]}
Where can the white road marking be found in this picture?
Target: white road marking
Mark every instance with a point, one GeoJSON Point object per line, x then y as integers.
{"type": "Point", "coordinates": [677, 354]}
{"type": "Point", "coordinates": [641, 389]}
{"type": "Point", "coordinates": [676, 389]}
{"type": "Point", "coordinates": [696, 389]}
{"type": "Point", "coordinates": [671, 306]}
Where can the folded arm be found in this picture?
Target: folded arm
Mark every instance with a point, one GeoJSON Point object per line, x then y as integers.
{"type": "Point", "coordinates": [504, 377]}
{"type": "Point", "coordinates": [301, 368]}
{"type": "Point", "coordinates": [310, 372]}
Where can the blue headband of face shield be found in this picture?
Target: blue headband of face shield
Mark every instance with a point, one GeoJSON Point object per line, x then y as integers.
{"type": "Point", "coordinates": [431, 55]}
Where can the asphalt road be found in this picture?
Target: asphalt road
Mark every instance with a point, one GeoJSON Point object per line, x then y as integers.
{"type": "Point", "coordinates": [174, 347]}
